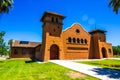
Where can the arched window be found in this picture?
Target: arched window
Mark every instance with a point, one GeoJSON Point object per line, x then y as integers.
{"type": "Point", "coordinates": [56, 20]}
{"type": "Point", "coordinates": [74, 40]}
{"type": "Point", "coordinates": [85, 41]}
{"type": "Point", "coordinates": [15, 51]}
{"type": "Point", "coordinates": [69, 39]}
{"type": "Point", "coordinates": [78, 40]}
{"type": "Point", "coordinates": [52, 19]}
{"type": "Point", "coordinates": [82, 41]}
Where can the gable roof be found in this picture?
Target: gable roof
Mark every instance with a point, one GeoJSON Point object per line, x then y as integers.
{"type": "Point", "coordinates": [74, 25]}
{"type": "Point", "coordinates": [16, 43]}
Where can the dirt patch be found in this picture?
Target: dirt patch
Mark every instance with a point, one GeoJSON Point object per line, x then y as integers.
{"type": "Point", "coordinates": [74, 75]}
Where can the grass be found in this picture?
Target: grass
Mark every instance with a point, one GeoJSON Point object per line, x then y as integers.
{"type": "Point", "coordinates": [116, 56]}
{"type": "Point", "coordinates": [111, 64]}
{"type": "Point", "coordinates": [24, 69]}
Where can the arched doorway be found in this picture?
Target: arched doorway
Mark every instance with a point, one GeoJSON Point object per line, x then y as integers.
{"type": "Point", "coordinates": [104, 53]}
{"type": "Point", "coordinates": [54, 52]}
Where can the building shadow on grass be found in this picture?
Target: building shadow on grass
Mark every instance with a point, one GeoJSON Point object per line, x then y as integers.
{"type": "Point", "coordinates": [1, 61]}
{"type": "Point", "coordinates": [30, 61]}
{"type": "Point", "coordinates": [108, 72]}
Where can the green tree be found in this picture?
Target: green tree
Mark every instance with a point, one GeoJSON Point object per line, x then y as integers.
{"type": "Point", "coordinates": [115, 4]}
{"type": "Point", "coordinates": [116, 50]}
{"type": "Point", "coordinates": [10, 44]}
{"type": "Point", "coordinates": [3, 47]}
{"type": "Point", "coordinates": [5, 5]}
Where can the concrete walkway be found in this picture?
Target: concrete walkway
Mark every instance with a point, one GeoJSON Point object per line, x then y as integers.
{"type": "Point", "coordinates": [103, 74]}
{"type": "Point", "coordinates": [2, 58]}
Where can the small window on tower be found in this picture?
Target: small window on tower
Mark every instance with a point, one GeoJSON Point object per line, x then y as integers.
{"type": "Point", "coordinates": [52, 19]}
{"type": "Point", "coordinates": [56, 20]}
{"type": "Point", "coordinates": [54, 30]}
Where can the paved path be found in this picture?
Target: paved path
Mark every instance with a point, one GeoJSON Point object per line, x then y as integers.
{"type": "Point", "coordinates": [103, 74]}
{"type": "Point", "coordinates": [2, 58]}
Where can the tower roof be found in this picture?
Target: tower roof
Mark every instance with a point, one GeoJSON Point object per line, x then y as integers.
{"type": "Point", "coordinates": [97, 31]}
{"type": "Point", "coordinates": [51, 13]}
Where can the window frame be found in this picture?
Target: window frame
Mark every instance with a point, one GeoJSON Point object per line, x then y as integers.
{"type": "Point", "coordinates": [23, 51]}
{"type": "Point", "coordinates": [15, 51]}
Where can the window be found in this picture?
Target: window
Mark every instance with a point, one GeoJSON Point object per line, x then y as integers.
{"type": "Point", "coordinates": [24, 42]}
{"type": "Point", "coordinates": [82, 41]}
{"type": "Point", "coordinates": [58, 27]}
{"type": "Point", "coordinates": [23, 51]}
{"type": "Point", "coordinates": [78, 40]}
{"type": "Point", "coordinates": [56, 20]}
{"type": "Point", "coordinates": [52, 19]}
{"type": "Point", "coordinates": [32, 52]}
{"type": "Point", "coordinates": [109, 50]}
{"type": "Point", "coordinates": [77, 31]}
{"type": "Point", "coordinates": [69, 39]}
{"type": "Point", "coordinates": [85, 41]}
{"type": "Point", "coordinates": [15, 51]}
{"type": "Point", "coordinates": [74, 40]}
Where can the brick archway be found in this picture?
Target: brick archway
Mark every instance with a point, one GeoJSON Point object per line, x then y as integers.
{"type": "Point", "coordinates": [54, 52]}
{"type": "Point", "coordinates": [104, 52]}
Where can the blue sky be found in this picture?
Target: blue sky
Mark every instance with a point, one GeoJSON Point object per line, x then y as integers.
{"type": "Point", "coordinates": [23, 20]}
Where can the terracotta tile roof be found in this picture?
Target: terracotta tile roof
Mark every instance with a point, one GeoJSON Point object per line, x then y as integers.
{"type": "Point", "coordinates": [16, 43]}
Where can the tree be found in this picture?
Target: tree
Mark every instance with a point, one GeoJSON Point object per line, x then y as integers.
{"type": "Point", "coordinates": [115, 4]}
{"type": "Point", "coordinates": [5, 5]}
{"type": "Point", "coordinates": [10, 44]}
{"type": "Point", "coordinates": [3, 47]}
{"type": "Point", "coordinates": [116, 50]}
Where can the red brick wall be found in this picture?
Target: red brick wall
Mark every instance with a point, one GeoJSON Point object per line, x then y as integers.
{"type": "Point", "coordinates": [19, 54]}
{"type": "Point", "coordinates": [76, 50]}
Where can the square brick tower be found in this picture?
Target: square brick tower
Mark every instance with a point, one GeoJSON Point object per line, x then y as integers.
{"type": "Point", "coordinates": [52, 46]}
{"type": "Point", "coordinates": [99, 47]}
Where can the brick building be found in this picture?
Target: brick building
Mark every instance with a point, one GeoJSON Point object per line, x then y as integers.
{"type": "Point", "coordinates": [72, 43]}
{"type": "Point", "coordinates": [24, 49]}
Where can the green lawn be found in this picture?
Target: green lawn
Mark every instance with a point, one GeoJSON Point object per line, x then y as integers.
{"type": "Point", "coordinates": [19, 70]}
{"type": "Point", "coordinates": [111, 64]}
{"type": "Point", "coordinates": [116, 56]}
